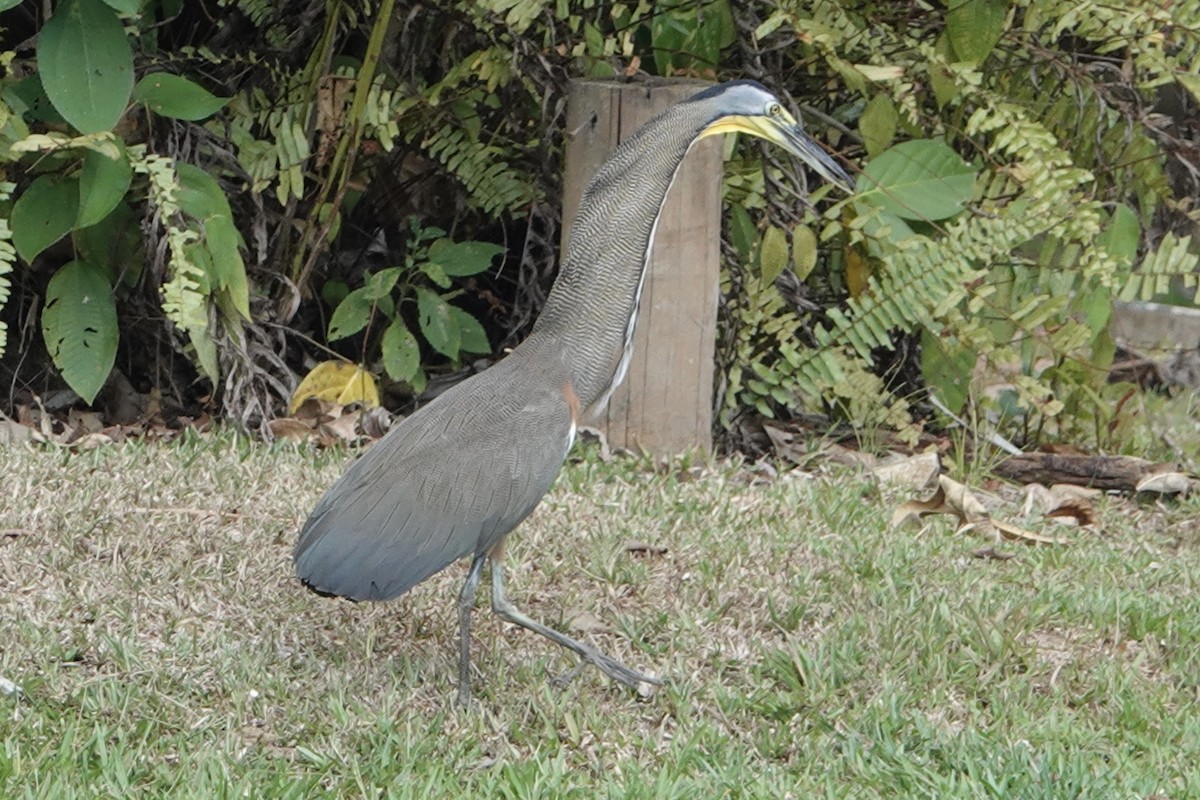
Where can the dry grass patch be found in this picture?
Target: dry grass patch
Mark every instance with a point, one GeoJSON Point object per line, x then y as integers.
{"type": "Point", "coordinates": [162, 647]}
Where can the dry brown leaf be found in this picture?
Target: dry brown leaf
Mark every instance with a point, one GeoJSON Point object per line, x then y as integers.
{"type": "Point", "coordinates": [315, 410]}
{"type": "Point", "coordinates": [951, 498]}
{"type": "Point", "coordinates": [1077, 510]}
{"type": "Point", "coordinates": [91, 441]}
{"type": "Point", "coordinates": [1015, 534]}
{"type": "Point", "coordinates": [12, 432]}
{"type": "Point", "coordinates": [344, 428]}
{"type": "Point", "coordinates": [587, 622]}
{"type": "Point", "coordinates": [1165, 483]}
{"type": "Point", "coordinates": [844, 455]}
{"type": "Point", "coordinates": [913, 472]}
{"type": "Point", "coordinates": [1065, 491]}
{"type": "Point", "coordinates": [290, 428]}
{"type": "Point", "coordinates": [957, 500]}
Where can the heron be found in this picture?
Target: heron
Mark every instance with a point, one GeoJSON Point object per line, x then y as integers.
{"type": "Point", "coordinates": [454, 478]}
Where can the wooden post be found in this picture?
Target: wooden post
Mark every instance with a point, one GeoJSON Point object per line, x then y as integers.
{"type": "Point", "coordinates": [665, 403]}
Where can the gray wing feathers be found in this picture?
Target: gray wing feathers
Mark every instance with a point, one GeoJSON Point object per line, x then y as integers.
{"type": "Point", "coordinates": [448, 482]}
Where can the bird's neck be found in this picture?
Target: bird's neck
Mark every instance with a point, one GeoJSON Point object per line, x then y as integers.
{"type": "Point", "coordinates": [589, 317]}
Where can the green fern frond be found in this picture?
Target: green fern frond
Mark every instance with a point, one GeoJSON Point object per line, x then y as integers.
{"type": "Point", "coordinates": [185, 294]}
{"type": "Point", "coordinates": [1172, 261]}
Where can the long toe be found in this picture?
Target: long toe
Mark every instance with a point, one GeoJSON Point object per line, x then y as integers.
{"type": "Point", "coordinates": [619, 672]}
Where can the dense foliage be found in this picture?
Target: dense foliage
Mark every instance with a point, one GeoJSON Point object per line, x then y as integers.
{"type": "Point", "coordinates": [250, 189]}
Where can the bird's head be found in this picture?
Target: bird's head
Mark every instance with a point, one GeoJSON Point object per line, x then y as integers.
{"type": "Point", "coordinates": [747, 107]}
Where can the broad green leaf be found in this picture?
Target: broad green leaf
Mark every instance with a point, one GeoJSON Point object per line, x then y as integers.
{"type": "Point", "coordinates": [772, 254]}
{"type": "Point", "coordinates": [878, 124]}
{"type": "Point", "coordinates": [29, 90]}
{"type": "Point", "coordinates": [945, 89]}
{"type": "Point", "coordinates": [79, 326]}
{"type": "Point", "coordinates": [5, 5]}
{"type": "Point", "coordinates": [113, 243]}
{"type": "Point", "coordinates": [1097, 309]}
{"type": "Point", "coordinates": [351, 315]}
{"type": "Point", "coordinates": [401, 353]}
{"type": "Point", "coordinates": [947, 367]}
{"type": "Point", "coordinates": [381, 283]}
{"type": "Point", "coordinates": [463, 258]}
{"type": "Point", "coordinates": [474, 337]}
{"type": "Point", "coordinates": [742, 231]}
{"type": "Point", "coordinates": [127, 7]}
{"type": "Point", "coordinates": [1122, 235]}
{"type": "Point", "coordinates": [336, 382]}
{"type": "Point", "coordinates": [919, 180]}
{"type": "Point", "coordinates": [882, 226]}
{"type": "Point", "coordinates": [172, 96]}
{"type": "Point", "coordinates": [43, 214]}
{"type": "Point", "coordinates": [86, 64]}
{"type": "Point", "coordinates": [438, 324]}
{"type": "Point", "coordinates": [435, 273]}
{"type": "Point", "coordinates": [804, 250]}
{"type": "Point", "coordinates": [103, 183]}
{"type": "Point", "coordinates": [974, 26]}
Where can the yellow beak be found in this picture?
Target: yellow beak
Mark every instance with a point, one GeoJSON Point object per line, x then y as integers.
{"type": "Point", "coordinates": [786, 132]}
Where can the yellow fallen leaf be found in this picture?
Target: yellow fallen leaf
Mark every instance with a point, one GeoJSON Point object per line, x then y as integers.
{"type": "Point", "coordinates": [337, 382]}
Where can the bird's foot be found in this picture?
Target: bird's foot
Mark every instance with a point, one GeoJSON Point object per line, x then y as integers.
{"type": "Point", "coordinates": [612, 668]}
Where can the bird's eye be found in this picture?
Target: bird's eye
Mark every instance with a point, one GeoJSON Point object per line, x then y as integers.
{"type": "Point", "coordinates": [774, 109]}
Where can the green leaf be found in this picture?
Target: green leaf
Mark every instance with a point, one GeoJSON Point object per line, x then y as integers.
{"type": "Point", "coordinates": [804, 250]}
{"type": "Point", "coordinates": [102, 184]}
{"type": "Point", "coordinates": [474, 337]}
{"type": "Point", "coordinates": [5, 5]}
{"type": "Point", "coordinates": [401, 353]}
{"type": "Point", "coordinates": [30, 91]}
{"type": "Point", "coordinates": [129, 8]}
{"type": "Point", "coordinates": [351, 315]}
{"type": "Point", "coordinates": [381, 283]}
{"type": "Point", "coordinates": [334, 291]}
{"type": "Point", "coordinates": [974, 26]}
{"type": "Point", "coordinates": [86, 64]}
{"type": "Point", "coordinates": [113, 243]}
{"type": "Point", "coordinates": [920, 180]}
{"type": "Point", "coordinates": [947, 369]}
{"type": "Point", "coordinates": [878, 124]}
{"type": "Point", "coordinates": [79, 326]}
{"type": "Point", "coordinates": [435, 273]}
{"type": "Point", "coordinates": [742, 231]}
{"type": "Point", "coordinates": [438, 324]}
{"type": "Point", "coordinates": [200, 196]}
{"type": "Point", "coordinates": [772, 254]}
{"type": "Point", "coordinates": [43, 214]}
{"type": "Point", "coordinates": [1122, 235]}
{"type": "Point", "coordinates": [173, 96]}
{"type": "Point", "coordinates": [463, 258]}
{"type": "Point", "coordinates": [1190, 82]}
{"type": "Point", "coordinates": [945, 89]}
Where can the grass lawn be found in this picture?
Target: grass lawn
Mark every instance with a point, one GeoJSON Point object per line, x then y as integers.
{"type": "Point", "coordinates": [162, 648]}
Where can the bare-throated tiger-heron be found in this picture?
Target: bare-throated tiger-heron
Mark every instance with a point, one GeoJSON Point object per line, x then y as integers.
{"type": "Point", "coordinates": [455, 477]}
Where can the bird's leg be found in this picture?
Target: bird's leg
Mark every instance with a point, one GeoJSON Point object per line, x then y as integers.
{"type": "Point", "coordinates": [466, 602]}
{"type": "Point", "coordinates": [509, 613]}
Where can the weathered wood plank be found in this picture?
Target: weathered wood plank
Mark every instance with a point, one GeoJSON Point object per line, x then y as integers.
{"type": "Point", "coordinates": [665, 404]}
